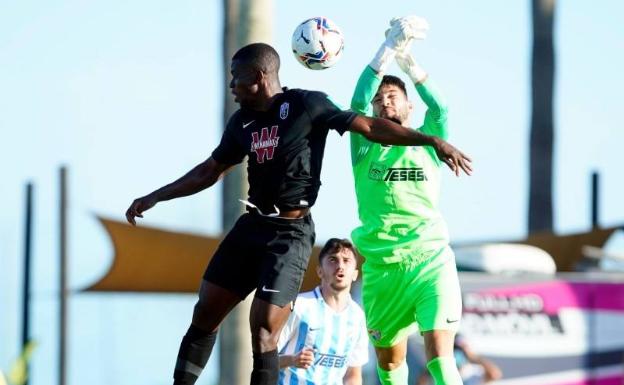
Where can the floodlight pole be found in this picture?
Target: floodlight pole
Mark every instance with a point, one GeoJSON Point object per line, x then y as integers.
{"type": "Point", "coordinates": [542, 124]}
{"type": "Point", "coordinates": [27, 264]}
{"type": "Point", "coordinates": [595, 200]}
{"type": "Point", "coordinates": [63, 292]}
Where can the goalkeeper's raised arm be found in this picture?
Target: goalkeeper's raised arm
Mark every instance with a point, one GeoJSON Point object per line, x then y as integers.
{"type": "Point", "coordinates": [435, 122]}
{"type": "Point", "coordinates": [385, 96]}
{"type": "Point", "coordinates": [399, 37]}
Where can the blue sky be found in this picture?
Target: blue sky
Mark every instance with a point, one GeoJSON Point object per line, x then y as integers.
{"type": "Point", "coordinates": [129, 96]}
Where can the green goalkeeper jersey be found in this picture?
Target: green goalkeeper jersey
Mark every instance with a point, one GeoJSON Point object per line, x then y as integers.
{"type": "Point", "coordinates": [398, 187]}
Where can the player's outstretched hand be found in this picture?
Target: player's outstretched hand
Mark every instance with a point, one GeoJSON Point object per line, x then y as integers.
{"type": "Point", "coordinates": [304, 358]}
{"type": "Point", "coordinates": [137, 208]}
{"type": "Point", "coordinates": [455, 159]}
{"type": "Point", "coordinates": [409, 66]}
{"type": "Point", "coordinates": [416, 26]}
{"type": "Point", "coordinates": [398, 39]}
{"type": "Point", "coordinates": [405, 29]}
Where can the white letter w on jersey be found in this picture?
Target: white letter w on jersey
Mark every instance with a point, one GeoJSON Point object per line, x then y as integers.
{"type": "Point", "coordinates": [265, 145]}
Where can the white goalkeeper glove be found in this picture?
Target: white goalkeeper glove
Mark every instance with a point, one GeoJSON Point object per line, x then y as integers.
{"type": "Point", "coordinates": [408, 65]}
{"type": "Point", "coordinates": [398, 38]}
{"type": "Point", "coordinates": [413, 27]}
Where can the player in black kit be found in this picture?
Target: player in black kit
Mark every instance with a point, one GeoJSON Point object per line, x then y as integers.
{"type": "Point", "coordinates": [283, 132]}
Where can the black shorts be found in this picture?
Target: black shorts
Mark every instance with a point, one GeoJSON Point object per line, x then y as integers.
{"type": "Point", "coordinates": [264, 253]}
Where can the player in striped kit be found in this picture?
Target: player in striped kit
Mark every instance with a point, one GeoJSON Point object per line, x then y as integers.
{"type": "Point", "coordinates": [324, 340]}
{"type": "Point", "coordinates": [409, 276]}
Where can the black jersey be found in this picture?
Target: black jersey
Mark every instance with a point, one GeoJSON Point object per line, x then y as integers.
{"type": "Point", "coordinates": [285, 146]}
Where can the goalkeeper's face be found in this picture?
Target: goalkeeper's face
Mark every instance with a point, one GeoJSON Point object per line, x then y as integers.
{"type": "Point", "coordinates": [390, 102]}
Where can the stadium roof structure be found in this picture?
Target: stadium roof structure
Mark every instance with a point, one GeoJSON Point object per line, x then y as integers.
{"type": "Point", "coordinates": [148, 259]}
{"type": "Point", "coordinates": [568, 250]}
{"type": "Point", "coordinates": [154, 260]}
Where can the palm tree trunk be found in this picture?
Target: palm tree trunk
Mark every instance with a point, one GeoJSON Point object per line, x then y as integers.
{"type": "Point", "coordinates": [245, 21]}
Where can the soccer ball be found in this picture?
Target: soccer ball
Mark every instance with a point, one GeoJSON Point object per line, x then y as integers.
{"type": "Point", "coordinates": [317, 43]}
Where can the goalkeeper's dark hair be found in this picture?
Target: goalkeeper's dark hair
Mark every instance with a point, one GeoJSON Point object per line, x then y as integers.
{"type": "Point", "coordinates": [389, 80]}
{"type": "Point", "coordinates": [259, 56]}
{"type": "Point", "coordinates": [336, 245]}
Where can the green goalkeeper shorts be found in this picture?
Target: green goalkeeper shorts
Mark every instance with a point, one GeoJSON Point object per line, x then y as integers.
{"type": "Point", "coordinates": [402, 298]}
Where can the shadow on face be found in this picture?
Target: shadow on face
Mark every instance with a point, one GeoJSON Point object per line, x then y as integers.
{"type": "Point", "coordinates": [390, 102]}
{"type": "Point", "coordinates": [245, 83]}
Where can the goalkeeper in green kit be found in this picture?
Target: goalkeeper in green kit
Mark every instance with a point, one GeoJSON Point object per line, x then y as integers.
{"type": "Point", "coordinates": [409, 278]}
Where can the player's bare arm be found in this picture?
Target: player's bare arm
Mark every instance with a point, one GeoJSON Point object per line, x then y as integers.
{"type": "Point", "coordinates": [353, 376]}
{"type": "Point", "coordinates": [385, 131]}
{"type": "Point", "coordinates": [303, 359]}
{"type": "Point", "coordinates": [492, 371]}
{"type": "Point", "coordinates": [199, 178]}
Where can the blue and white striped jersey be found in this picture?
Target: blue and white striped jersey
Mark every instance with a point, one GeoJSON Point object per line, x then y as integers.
{"type": "Point", "coordinates": [339, 340]}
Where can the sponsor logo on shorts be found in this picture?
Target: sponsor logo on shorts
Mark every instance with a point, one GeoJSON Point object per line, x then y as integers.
{"type": "Point", "coordinates": [381, 172]}
{"type": "Point", "coordinates": [264, 288]}
{"type": "Point", "coordinates": [374, 334]}
{"type": "Point", "coordinates": [451, 321]}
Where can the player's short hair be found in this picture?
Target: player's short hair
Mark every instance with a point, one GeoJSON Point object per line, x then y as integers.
{"type": "Point", "coordinates": [389, 80]}
{"type": "Point", "coordinates": [335, 245]}
{"type": "Point", "coordinates": [259, 56]}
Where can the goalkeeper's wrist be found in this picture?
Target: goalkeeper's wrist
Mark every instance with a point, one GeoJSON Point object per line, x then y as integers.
{"type": "Point", "coordinates": [384, 56]}
{"type": "Point", "coordinates": [417, 73]}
